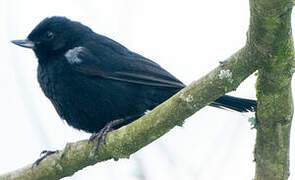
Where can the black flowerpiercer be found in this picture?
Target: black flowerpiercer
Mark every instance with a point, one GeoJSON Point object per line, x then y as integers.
{"type": "Point", "coordinates": [95, 83]}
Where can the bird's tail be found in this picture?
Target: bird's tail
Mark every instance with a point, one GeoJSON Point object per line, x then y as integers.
{"type": "Point", "coordinates": [234, 103]}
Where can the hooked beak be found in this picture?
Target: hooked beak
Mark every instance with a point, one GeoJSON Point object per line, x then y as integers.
{"type": "Point", "coordinates": [24, 43]}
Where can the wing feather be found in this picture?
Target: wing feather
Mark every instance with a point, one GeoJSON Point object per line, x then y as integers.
{"type": "Point", "coordinates": [125, 67]}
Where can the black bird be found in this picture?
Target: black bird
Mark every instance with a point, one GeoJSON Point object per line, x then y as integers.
{"type": "Point", "coordinates": [97, 84]}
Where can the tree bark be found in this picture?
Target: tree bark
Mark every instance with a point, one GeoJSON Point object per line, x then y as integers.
{"type": "Point", "coordinates": [271, 34]}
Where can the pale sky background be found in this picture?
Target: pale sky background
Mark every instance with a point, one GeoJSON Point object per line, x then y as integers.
{"type": "Point", "coordinates": [188, 38]}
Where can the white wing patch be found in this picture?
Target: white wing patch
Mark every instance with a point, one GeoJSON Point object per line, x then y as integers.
{"type": "Point", "coordinates": [72, 55]}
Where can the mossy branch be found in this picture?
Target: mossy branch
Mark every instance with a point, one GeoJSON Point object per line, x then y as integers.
{"type": "Point", "coordinates": [269, 48]}
{"type": "Point", "coordinates": [271, 33]}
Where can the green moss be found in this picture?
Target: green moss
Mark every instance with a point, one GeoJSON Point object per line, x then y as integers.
{"type": "Point", "coordinates": [273, 88]}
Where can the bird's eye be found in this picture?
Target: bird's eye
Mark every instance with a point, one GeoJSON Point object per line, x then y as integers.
{"type": "Point", "coordinates": [49, 35]}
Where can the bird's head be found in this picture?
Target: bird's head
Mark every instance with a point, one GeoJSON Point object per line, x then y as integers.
{"type": "Point", "coordinates": [53, 36]}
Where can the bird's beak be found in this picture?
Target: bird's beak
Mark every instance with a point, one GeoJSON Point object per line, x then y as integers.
{"type": "Point", "coordinates": [24, 43]}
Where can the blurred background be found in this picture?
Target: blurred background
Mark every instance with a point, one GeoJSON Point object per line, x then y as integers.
{"type": "Point", "coordinates": [188, 38]}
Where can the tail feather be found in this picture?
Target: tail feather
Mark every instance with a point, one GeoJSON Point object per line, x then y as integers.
{"type": "Point", "coordinates": [234, 103]}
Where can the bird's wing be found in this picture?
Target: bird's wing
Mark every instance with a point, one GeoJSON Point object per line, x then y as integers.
{"type": "Point", "coordinates": [126, 67]}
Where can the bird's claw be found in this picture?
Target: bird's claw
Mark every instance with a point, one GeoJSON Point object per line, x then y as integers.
{"type": "Point", "coordinates": [100, 137]}
{"type": "Point", "coordinates": [43, 155]}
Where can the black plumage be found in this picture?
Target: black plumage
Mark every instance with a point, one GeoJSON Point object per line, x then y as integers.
{"type": "Point", "coordinates": [92, 80]}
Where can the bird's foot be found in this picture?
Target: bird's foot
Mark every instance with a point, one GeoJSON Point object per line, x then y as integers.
{"type": "Point", "coordinates": [43, 155]}
{"type": "Point", "coordinates": [101, 135]}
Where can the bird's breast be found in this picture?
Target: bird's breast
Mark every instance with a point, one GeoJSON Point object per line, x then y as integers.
{"type": "Point", "coordinates": [46, 82]}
